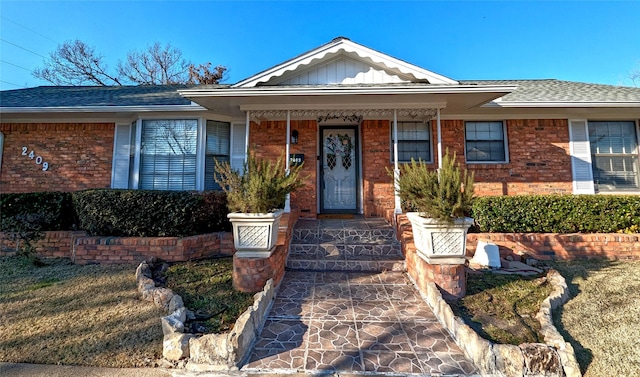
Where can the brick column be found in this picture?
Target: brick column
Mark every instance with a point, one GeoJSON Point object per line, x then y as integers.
{"type": "Point", "coordinates": [251, 274]}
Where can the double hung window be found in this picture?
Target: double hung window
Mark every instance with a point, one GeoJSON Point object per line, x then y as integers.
{"type": "Point", "coordinates": [485, 142]}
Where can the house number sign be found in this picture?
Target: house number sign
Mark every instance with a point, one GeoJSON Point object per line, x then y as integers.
{"type": "Point", "coordinates": [32, 155]}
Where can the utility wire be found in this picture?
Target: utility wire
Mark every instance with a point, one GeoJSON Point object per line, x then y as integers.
{"type": "Point", "coordinates": [15, 65]}
{"type": "Point", "coordinates": [10, 83]}
{"type": "Point", "coordinates": [20, 47]}
{"type": "Point", "coordinates": [31, 30]}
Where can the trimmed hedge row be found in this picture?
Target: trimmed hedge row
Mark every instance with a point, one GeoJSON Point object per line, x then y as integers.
{"type": "Point", "coordinates": [121, 213]}
{"type": "Point", "coordinates": [558, 214]}
{"type": "Point", "coordinates": [40, 211]}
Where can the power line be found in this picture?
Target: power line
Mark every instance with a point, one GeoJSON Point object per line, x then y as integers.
{"type": "Point", "coordinates": [31, 30]}
{"type": "Point", "coordinates": [20, 47]}
{"type": "Point", "coordinates": [10, 83]}
{"type": "Point", "coordinates": [15, 65]}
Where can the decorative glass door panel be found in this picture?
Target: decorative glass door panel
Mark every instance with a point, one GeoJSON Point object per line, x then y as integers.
{"type": "Point", "coordinates": [339, 170]}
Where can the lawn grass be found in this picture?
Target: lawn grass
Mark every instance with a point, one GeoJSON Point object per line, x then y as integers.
{"type": "Point", "coordinates": [602, 319]}
{"type": "Point", "coordinates": [206, 288]}
{"type": "Point", "coordinates": [502, 308]}
{"type": "Point", "coordinates": [75, 315]}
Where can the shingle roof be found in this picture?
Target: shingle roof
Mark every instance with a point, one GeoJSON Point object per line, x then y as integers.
{"type": "Point", "coordinates": [86, 96]}
{"type": "Point", "coordinates": [552, 90]}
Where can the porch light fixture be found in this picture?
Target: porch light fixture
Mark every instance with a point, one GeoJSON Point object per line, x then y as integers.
{"type": "Point", "coordinates": [294, 137]}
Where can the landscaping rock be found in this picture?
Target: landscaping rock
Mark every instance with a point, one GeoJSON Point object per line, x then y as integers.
{"type": "Point", "coordinates": [176, 346]}
{"type": "Point", "coordinates": [541, 360]}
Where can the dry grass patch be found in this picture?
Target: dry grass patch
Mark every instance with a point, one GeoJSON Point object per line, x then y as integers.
{"type": "Point", "coordinates": [206, 287]}
{"type": "Point", "coordinates": [75, 315]}
{"type": "Point", "coordinates": [502, 308]}
{"type": "Point", "coordinates": [602, 319]}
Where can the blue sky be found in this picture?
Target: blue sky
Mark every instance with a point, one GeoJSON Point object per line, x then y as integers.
{"type": "Point", "coordinates": [585, 41]}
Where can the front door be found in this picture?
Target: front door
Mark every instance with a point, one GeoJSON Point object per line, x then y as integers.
{"type": "Point", "coordinates": [339, 181]}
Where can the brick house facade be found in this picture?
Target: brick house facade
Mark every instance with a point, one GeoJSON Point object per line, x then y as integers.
{"type": "Point", "coordinates": [351, 113]}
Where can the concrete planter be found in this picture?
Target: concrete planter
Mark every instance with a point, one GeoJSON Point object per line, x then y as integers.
{"type": "Point", "coordinates": [255, 234]}
{"type": "Point", "coordinates": [438, 242]}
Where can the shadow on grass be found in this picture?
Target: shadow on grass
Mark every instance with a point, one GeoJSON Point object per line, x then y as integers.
{"type": "Point", "coordinates": [572, 271]}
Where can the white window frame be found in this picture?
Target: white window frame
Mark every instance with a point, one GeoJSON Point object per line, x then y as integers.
{"type": "Point", "coordinates": [637, 153]}
{"type": "Point", "coordinates": [504, 141]}
{"type": "Point", "coordinates": [430, 141]}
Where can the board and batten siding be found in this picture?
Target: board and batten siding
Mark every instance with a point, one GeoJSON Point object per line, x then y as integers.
{"type": "Point", "coordinates": [342, 71]}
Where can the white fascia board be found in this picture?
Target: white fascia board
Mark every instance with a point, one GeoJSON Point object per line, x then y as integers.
{"type": "Point", "coordinates": [100, 109]}
{"type": "Point", "coordinates": [498, 104]}
{"type": "Point", "coordinates": [346, 106]}
{"type": "Point", "coordinates": [319, 91]}
{"type": "Point", "coordinates": [350, 47]}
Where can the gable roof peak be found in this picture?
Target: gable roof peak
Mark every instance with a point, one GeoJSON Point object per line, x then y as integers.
{"type": "Point", "coordinates": [342, 46]}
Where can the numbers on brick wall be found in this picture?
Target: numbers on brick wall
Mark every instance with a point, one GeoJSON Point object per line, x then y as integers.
{"type": "Point", "coordinates": [32, 155]}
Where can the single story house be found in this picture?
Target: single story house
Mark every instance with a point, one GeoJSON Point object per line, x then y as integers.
{"type": "Point", "coordinates": [349, 112]}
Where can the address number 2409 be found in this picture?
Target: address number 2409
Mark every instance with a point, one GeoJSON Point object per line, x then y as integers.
{"type": "Point", "coordinates": [32, 155]}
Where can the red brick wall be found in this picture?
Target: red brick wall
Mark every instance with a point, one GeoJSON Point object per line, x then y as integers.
{"type": "Point", "coordinates": [122, 250]}
{"type": "Point", "coordinates": [251, 274]}
{"type": "Point", "coordinates": [539, 161]}
{"type": "Point", "coordinates": [548, 246]}
{"type": "Point", "coordinates": [376, 156]}
{"type": "Point", "coordinates": [79, 156]}
{"type": "Point", "coordinates": [268, 139]}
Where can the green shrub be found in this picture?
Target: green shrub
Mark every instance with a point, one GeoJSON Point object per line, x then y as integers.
{"type": "Point", "coordinates": [140, 213]}
{"type": "Point", "coordinates": [443, 194]}
{"type": "Point", "coordinates": [38, 211]}
{"type": "Point", "coordinates": [558, 214]}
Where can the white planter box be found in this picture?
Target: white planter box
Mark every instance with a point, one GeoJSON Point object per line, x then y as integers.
{"type": "Point", "coordinates": [255, 234]}
{"type": "Point", "coordinates": [438, 242]}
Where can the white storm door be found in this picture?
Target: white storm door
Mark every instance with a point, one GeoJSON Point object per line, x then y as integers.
{"type": "Point", "coordinates": [339, 170]}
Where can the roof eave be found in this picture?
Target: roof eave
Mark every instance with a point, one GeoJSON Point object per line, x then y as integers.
{"type": "Point", "coordinates": [101, 109]}
{"type": "Point", "coordinates": [559, 104]}
{"type": "Point", "coordinates": [332, 90]}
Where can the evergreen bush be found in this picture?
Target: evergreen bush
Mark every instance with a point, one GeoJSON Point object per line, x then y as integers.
{"type": "Point", "coordinates": [444, 195]}
{"type": "Point", "coordinates": [558, 214]}
{"type": "Point", "coordinates": [261, 187]}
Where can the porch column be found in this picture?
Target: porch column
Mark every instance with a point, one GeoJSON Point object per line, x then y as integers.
{"type": "Point", "coordinates": [287, 203]}
{"type": "Point", "coordinates": [246, 135]}
{"type": "Point", "coordinates": [396, 169]}
{"type": "Point", "coordinates": [439, 131]}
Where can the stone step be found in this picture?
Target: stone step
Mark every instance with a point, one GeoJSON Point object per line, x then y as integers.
{"type": "Point", "coordinates": [322, 250]}
{"type": "Point", "coordinates": [346, 236]}
{"type": "Point", "coordinates": [369, 264]}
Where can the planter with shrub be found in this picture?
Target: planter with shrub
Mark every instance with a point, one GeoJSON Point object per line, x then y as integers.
{"type": "Point", "coordinates": [440, 201]}
{"type": "Point", "coordinates": [255, 198]}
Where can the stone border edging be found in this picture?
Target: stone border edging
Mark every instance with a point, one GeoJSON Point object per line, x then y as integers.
{"type": "Point", "coordinates": [210, 352]}
{"type": "Point", "coordinates": [508, 360]}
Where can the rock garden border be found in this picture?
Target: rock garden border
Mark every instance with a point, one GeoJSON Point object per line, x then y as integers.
{"type": "Point", "coordinates": [209, 352]}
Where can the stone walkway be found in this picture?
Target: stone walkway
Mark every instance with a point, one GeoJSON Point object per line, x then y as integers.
{"type": "Point", "coordinates": [327, 321]}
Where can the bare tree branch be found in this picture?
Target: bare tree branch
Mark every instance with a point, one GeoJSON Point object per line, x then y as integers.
{"type": "Point", "coordinates": [156, 65]}
{"type": "Point", "coordinates": [204, 75]}
{"type": "Point", "coordinates": [75, 63]}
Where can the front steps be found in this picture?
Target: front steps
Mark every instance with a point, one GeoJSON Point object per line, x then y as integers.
{"type": "Point", "coordinates": [345, 245]}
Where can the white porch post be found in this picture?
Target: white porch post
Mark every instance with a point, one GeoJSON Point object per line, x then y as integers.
{"type": "Point", "coordinates": [287, 203]}
{"type": "Point", "coordinates": [396, 169]}
{"type": "Point", "coordinates": [246, 135]}
{"type": "Point", "coordinates": [439, 131]}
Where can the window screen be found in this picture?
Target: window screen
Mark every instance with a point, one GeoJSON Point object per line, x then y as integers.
{"type": "Point", "coordinates": [614, 154]}
{"type": "Point", "coordinates": [485, 141]}
{"type": "Point", "coordinates": [168, 154]}
{"type": "Point", "coordinates": [218, 138]}
{"type": "Point", "coordinates": [414, 141]}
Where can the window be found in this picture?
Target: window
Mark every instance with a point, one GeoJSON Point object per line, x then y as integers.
{"type": "Point", "coordinates": [485, 142]}
{"type": "Point", "coordinates": [414, 141]}
{"type": "Point", "coordinates": [168, 154]}
{"type": "Point", "coordinates": [614, 155]}
{"type": "Point", "coordinates": [217, 148]}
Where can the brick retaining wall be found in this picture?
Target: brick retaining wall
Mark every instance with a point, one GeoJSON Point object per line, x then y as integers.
{"type": "Point", "coordinates": [83, 249]}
